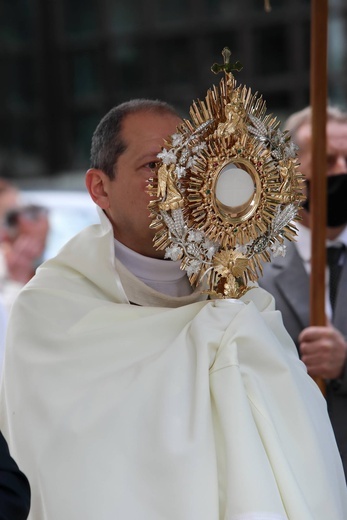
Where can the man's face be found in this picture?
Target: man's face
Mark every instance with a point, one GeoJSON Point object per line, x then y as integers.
{"type": "Point", "coordinates": [143, 134]}
{"type": "Point", "coordinates": [336, 160]}
{"type": "Point", "coordinates": [336, 149]}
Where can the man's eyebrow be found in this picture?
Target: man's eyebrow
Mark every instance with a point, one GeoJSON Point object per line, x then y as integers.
{"type": "Point", "coordinates": [149, 155]}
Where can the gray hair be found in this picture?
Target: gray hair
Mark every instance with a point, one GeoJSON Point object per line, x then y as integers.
{"type": "Point", "coordinates": [298, 119]}
{"type": "Point", "coordinates": [107, 143]}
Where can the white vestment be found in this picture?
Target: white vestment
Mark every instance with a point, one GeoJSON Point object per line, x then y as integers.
{"type": "Point", "coordinates": [126, 412]}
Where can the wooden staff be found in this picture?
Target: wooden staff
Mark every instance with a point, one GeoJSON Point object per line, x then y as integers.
{"type": "Point", "coordinates": [318, 197]}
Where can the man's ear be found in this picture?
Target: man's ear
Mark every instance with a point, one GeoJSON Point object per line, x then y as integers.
{"type": "Point", "coordinates": [97, 182]}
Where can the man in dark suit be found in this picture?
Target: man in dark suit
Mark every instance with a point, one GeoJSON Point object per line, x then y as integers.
{"type": "Point", "coordinates": [14, 487]}
{"type": "Point", "coordinates": [322, 349]}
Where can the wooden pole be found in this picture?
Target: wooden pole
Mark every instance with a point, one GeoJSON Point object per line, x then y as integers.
{"type": "Point", "coordinates": [318, 197]}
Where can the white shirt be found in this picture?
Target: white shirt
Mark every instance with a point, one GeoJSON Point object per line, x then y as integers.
{"type": "Point", "coordinates": [164, 276]}
{"type": "Point", "coordinates": [304, 249]}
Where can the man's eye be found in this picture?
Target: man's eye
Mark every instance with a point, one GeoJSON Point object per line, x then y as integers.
{"type": "Point", "coordinates": [152, 165]}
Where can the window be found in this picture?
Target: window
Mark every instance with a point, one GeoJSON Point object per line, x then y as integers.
{"type": "Point", "coordinates": [63, 65]}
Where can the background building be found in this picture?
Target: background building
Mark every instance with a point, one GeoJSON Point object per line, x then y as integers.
{"type": "Point", "coordinates": [64, 63]}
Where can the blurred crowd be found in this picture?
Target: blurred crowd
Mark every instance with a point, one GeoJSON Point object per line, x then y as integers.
{"type": "Point", "coordinates": [23, 235]}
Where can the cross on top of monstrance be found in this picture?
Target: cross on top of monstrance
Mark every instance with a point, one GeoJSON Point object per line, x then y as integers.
{"type": "Point", "coordinates": [226, 66]}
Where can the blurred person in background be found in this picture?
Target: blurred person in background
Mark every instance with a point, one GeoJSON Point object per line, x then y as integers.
{"type": "Point", "coordinates": [23, 235]}
{"type": "Point", "coordinates": [322, 349]}
{"type": "Point", "coordinates": [14, 486]}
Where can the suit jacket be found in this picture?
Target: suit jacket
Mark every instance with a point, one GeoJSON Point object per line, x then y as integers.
{"type": "Point", "coordinates": [287, 280]}
{"type": "Point", "coordinates": [14, 487]}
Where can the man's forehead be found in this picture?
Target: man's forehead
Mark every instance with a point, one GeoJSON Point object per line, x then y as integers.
{"type": "Point", "coordinates": [154, 117]}
{"type": "Point", "coordinates": [335, 129]}
{"type": "Point", "coordinates": [338, 130]}
{"type": "Point", "coordinates": [303, 139]}
{"type": "Point", "coordinates": [148, 128]}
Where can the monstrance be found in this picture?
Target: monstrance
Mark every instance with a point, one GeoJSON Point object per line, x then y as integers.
{"type": "Point", "coordinates": [227, 189]}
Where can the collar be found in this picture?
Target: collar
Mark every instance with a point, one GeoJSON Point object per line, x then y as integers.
{"type": "Point", "coordinates": [304, 241]}
{"type": "Point", "coordinates": [164, 276]}
{"type": "Point", "coordinates": [144, 267]}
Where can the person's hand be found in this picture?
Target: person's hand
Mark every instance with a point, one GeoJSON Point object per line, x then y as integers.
{"type": "Point", "coordinates": [324, 351]}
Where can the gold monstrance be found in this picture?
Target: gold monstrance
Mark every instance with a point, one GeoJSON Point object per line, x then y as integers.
{"type": "Point", "coordinates": [227, 189]}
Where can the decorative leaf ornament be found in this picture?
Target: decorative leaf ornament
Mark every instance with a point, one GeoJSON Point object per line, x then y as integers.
{"type": "Point", "coordinates": [227, 189]}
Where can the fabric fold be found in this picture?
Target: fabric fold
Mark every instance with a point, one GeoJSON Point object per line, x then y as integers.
{"type": "Point", "coordinates": [199, 412]}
